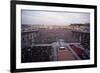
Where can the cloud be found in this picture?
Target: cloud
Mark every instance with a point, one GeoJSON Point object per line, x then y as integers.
{"type": "Point", "coordinates": [51, 17]}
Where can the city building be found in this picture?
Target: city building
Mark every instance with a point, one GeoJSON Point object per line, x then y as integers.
{"type": "Point", "coordinates": [44, 43]}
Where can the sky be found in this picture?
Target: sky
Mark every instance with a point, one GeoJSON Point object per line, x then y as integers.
{"type": "Point", "coordinates": [53, 18]}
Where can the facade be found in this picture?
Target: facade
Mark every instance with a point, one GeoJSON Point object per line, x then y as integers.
{"type": "Point", "coordinates": [28, 38]}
